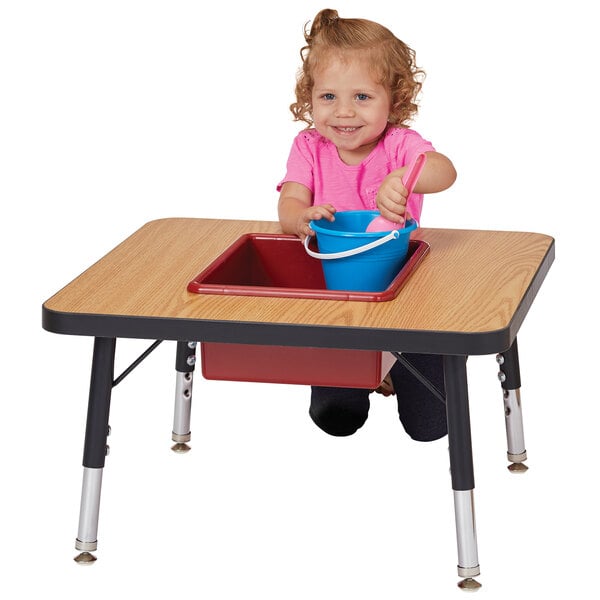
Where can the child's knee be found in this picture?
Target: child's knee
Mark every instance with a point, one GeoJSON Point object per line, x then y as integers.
{"type": "Point", "coordinates": [339, 411]}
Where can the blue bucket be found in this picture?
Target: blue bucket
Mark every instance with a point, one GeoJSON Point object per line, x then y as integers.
{"type": "Point", "coordinates": [357, 260]}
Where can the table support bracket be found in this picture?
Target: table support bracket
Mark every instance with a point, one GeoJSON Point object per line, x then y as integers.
{"type": "Point", "coordinates": [416, 373]}
{"type": "Point", "coordinates": [136, 362]}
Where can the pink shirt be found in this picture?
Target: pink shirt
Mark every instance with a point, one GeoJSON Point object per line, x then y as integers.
{"type": "Point", "coordinates": [314, 162]}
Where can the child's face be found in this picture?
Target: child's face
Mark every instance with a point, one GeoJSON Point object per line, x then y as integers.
{"type": "Point", "coordinates": [349, 107]}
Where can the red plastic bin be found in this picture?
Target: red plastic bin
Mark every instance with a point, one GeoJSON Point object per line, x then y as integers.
{"type": "Point", "coordinates": [278, 265]}
{"type": "Point", "coordinates": [286, 364]}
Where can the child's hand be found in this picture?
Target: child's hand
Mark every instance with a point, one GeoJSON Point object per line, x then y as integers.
{"type": "Point", "coordinates": [313, 213]}
{"type": "Point", "coordinates": [391, 198]}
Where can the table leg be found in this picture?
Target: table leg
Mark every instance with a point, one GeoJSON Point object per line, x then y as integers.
{"type": "Point", "coordinates": [184, 366]}
{"type": "Point", "coordinates": [461, 467]}
{"type": "Point", "coordinates": [510, 379]}
{"type": "Point", "coordinates": [95, 448]}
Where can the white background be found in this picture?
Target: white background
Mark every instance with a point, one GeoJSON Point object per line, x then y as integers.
{"type": "Point", "coordinates": [118, 112]}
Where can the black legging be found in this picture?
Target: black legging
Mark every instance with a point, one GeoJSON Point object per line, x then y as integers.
{"type": "Point", "coordinates": [341, 411]}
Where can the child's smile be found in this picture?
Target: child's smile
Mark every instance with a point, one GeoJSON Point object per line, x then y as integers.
{"type": "Point", "coordinates": [350, 107]}
{"type": "Point", "coordinates": [346, 130]}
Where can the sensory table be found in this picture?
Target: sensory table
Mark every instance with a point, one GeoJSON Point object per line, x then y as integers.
{"type": "Point", "coordinates": [468, 294]}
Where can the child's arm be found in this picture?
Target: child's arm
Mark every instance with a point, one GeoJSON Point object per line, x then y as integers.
{"type": "Point", "coordinates": [296, 210]}
{"type": "Point", "coordinates": [437, 175]}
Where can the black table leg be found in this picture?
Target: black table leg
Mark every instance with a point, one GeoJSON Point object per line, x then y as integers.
{"type": "Point", "coordinates": [184, 366]}
{"type": "Point", "coordinates": [95, 448]}
{"type": "Point", "coordinates": [510, 379]}
{"type": "Point", "coordinates": [461, 467]}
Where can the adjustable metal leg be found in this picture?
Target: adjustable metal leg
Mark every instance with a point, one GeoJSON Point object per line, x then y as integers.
{"type": "Point", "coordinates": [510, 379]}
{"type": "Point", "coordinates": [95, 448]}
{"type": "Point", "coordinates": [461, 468]}
{"type": "Point", "coordinates": [89, 512]}
{"type": "Point", "coordinates": [184, 365]}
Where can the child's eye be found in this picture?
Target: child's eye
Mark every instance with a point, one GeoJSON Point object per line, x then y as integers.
{"type": "Point", "coordinates": [362, 97]}
{"type": "Point", "coordinates": [328, 96]}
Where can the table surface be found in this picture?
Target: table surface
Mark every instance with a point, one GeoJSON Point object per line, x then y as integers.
{"type": "Point", "coordinates": [468, 296]}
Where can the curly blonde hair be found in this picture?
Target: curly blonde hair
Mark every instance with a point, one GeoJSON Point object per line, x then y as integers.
{"type": "Point", "coordinates": [391, 60]}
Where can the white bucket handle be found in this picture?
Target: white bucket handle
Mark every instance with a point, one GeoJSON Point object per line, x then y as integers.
{"type": "Point", "coordinates": [392, 235]}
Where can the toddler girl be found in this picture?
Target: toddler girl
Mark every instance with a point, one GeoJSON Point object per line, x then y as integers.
{"type": "Point", "coordinates": [356, 92]}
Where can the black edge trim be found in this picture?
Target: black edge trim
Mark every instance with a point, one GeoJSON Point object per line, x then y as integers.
{"type": "Point", "coordinates": [276, 334]}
